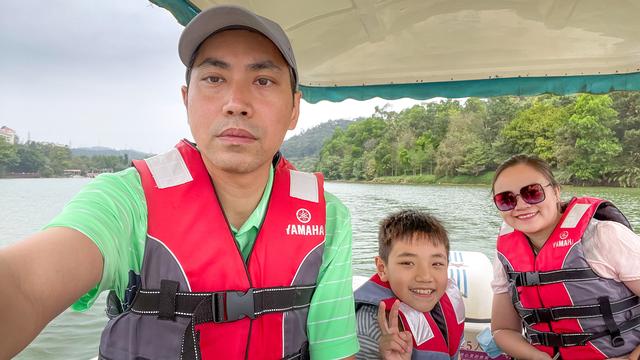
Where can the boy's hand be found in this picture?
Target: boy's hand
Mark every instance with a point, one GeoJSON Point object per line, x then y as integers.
{"type": "Point", "coordinates": [394, 344]}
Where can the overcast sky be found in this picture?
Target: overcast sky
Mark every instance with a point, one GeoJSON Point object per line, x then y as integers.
{"type": "Point", "coordinates": [107, 73]}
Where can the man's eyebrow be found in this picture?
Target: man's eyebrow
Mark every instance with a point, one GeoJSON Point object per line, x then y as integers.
{"type": "Point", "coordinates": [214, 62]}
{"type": "Point", "coordinates": [264, 65]}
{"type": "Point", "coordinates": [442, 256]}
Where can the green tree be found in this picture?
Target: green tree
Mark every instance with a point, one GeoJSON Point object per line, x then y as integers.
{"type": "Point", "coordinates": [31, 159]}
{"type": "Point", "coordinates": [627, 105]}
{"type": "Point", "coordinates": [59, 158]}
{"type": "Point", "coordinates": [424, 153]}
{"type": "Point", "coordinates": [627, 173]}
{"type": "Point", "coordinates": [464, 137]}
{"type": "Point", "coordinates": [8, 156]}
{"type": "Point", "coordinates": [532, 131]}
{"type": "Point", "coordinates": [587, 144]}
{"type": "Point", "coordinates": [500, 111]}
{"type": "Point", "coordinates": [477, 157]}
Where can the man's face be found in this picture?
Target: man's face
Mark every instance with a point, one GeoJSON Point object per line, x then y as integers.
{"type": "Point", "coordinates": [417, 272]}
{"type": "Point", "coordinates": [239, 101]}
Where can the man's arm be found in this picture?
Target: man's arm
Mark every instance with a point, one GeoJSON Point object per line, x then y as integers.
{"type": "Point", "coordinates": [331, 325]}
{"type": "Point", "coordinates": [41, 276]}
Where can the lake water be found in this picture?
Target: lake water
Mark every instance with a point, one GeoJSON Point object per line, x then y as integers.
{"type": "Point", "coordinates": [467, 211]}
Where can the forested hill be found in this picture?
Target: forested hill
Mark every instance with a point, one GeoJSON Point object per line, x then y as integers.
{"type": "Point", "coordinates": [588, 139]}
{"type": "Point", "coordinates": [105, 151]}
{"type": "Point", "coordinates": [43, 159]}
{"type": "Point", "coordinates": [309, 142]}
{"type": "Point", "coordinates": [303, 149]}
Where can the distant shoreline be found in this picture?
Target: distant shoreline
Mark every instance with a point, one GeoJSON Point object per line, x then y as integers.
{"type": "Point", "coordinates": [480, 180]}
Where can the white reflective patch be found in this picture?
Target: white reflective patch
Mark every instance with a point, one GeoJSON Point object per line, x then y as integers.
{"type": "Point", "coordinates": [418, 323]}
{"type": "Point", "coordinates": [505, 229]}
{"type": "Point", "coordinates": [169, 169]}
{"type": "Point", "coordinates": [576, 213]}
{"type": "Point", "coordinates": [456, 300]}
{"type": "Point", "coordinates": [303, 186]}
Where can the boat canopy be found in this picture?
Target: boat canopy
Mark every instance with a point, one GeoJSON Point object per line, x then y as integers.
{"type": "Point", "coordinates": [452, 48]}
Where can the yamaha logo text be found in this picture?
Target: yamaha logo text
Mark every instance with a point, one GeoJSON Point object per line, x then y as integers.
{"type": "Point", "coordinates": [304, 216]}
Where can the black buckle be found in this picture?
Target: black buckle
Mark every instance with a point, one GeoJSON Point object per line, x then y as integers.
{"type": "Point", "coordinates": [552, 339]}
{"type": "Point", "coordinates": [542, 315]}
{"type": "Point", "coordinates": [530, 278]}
{"type": "Point", "coordinates": [114, 306]}
{"type": "Point", "coordinates": [232, 305]}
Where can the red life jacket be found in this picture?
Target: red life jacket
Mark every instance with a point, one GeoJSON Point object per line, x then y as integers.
{"type": "Point", "coordinates": [565, 306]}
{"type": "Point", "coordinates": [198, 297]}
{"type": "Point", "coordinates": [428, 341]}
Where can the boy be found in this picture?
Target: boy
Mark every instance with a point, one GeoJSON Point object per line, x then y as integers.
{"type": "Point", "coordinates": [428, 319]}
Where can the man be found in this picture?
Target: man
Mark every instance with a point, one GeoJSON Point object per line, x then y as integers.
{"type": "Point", "coordinates": [230, 253]}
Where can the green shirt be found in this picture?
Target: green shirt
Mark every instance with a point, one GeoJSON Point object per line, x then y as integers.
{"type": "Point", "coordinates": [112, 212]}
{"type": "Point", "coordinates": [246, 236]}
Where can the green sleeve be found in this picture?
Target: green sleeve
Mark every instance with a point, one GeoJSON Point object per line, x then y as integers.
{"type": "Point", "coordinates": [111, 210]}
{"type": "Point", "coordinates": [331, 322]}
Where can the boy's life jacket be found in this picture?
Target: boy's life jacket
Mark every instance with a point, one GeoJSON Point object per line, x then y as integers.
{"type": "Point", "coordinates": [429, 342]}
{"type": "Point", "coordinates": [565, 306]}
{"type": "Point", "coordinates": [196, 297]}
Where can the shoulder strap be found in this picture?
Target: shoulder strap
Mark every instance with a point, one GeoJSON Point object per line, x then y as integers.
{"type": "Point", "coordinates": [608, 211]}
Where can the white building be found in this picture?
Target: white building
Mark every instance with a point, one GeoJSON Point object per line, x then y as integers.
{"type": "Point", "coordinates": [9, 135]}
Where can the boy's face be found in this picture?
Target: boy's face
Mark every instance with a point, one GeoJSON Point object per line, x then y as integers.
{"type": "Point", "coordinates": [416, 271]}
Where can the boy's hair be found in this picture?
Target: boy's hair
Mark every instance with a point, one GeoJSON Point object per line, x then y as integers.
{"type": "Point", "coordinates": [407, 225]}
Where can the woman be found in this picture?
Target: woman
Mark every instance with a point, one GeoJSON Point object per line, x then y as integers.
{"type": "Point", "coordinates": [568, 272]}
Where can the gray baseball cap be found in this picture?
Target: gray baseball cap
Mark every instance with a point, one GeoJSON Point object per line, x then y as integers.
{"type": "Point", "coordinates": [227, 17]}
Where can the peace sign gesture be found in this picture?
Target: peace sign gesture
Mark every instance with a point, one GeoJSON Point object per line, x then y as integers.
{"type": "Point", "coordinates": [394, 344]}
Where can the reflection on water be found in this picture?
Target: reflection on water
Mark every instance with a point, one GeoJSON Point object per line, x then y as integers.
{"type": "Point", "coordinates": [467, 212]}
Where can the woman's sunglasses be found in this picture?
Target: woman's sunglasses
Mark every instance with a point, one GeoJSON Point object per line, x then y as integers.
{"type": "Point", "coordinates": [531, 194]}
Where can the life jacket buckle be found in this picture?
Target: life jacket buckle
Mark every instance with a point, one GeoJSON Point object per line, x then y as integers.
{"type": "Point", "coordinates": [528, 278]}
{"type": "Point", "coordinates": [232, 305]}
{"type": "Point", "coordinates": [543, 315]}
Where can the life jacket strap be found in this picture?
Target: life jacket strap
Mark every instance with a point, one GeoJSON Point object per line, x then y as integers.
{"type": "Point", "coordinates": [612, 327]}
{"type": "Point", "coordinates": [534, 316]}
{"type": "Point", "coordinates": [575, 339]}
{"type": "Point", "coordinates": [534, 278]}
{"type": "Point", "coordinates": [167, 299]}
{"type": "Point", "coordinates": [223, 306]}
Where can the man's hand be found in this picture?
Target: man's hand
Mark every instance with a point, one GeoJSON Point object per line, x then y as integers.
{"type": "Point", "coordinates": [394, 344]}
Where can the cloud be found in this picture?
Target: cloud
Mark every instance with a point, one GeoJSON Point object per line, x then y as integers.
{"type": "Point", "coordinates": [106, 73]}
{"type": "Point", "coordinates": [91, 73]}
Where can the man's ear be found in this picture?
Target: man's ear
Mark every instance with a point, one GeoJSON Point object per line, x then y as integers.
{"type": "Point", "coordinates": [185, 95]}
{"type": "Point", "coordinates": [381, 269]}
{"type": "Point", "coordinates": [295, 111]}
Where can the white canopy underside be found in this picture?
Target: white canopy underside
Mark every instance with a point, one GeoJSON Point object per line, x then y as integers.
{"type": "Point", "coordinates": [376, 42]}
